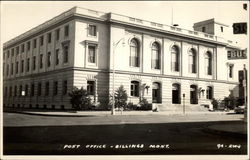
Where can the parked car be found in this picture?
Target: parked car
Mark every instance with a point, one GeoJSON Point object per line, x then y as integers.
{"type": "Point", "coordinates": [239, 109]}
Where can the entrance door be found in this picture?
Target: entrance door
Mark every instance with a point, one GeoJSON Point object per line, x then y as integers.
{"type": "Point", "coordinates": [156, 96]}
{"type": "Point", "coordinates": [193, 94]}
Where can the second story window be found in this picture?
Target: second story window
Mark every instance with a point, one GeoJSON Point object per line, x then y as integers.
{"type": "Point", "coordinates": [192, 61]}
{"type": "Point", "coordinates": [41, 61]}
{"type": "Point", "coordinates": [58, 34]}
{"type": "Point", "coordinates": [230, 72]}
{"type": "Point", "coordinates": [49, 59]}
{"type": "Point", "coordinates": [65, 53]}
{"type": "Point", "coordinates": [17, 50]}
{"type": "Point", "coordinates": [175, 58]}
{"type": "Point", "coordinates": [49, 37]}
{"type": "Point", "coordinates": [22, 48]}
{"type": "Point", "coordinates": [92, 30]}
{"type": "Point", "coordinates": [134, 53]}
{"type": "Point", "coordinates": [41, 41]}
{"type": "Point", "coordinates": [34, 62]}
{"type": "Point", "coordinates": [155, 61]}
{"type": "Point", "coordinates": [66, 31]}
{"type": "Point", "coordinates": [16, 67]}
{"type": "Point", "coordinates": [208, 63]}
{"type": "Point", "coordinates": [12, 68]}
{"type": "Point", "coordinates": [7, 69]}
{"type": "Point", "coordinates": [57, 57]}
{"type": "Point", "coordinates": [28, 65]}
{"type": "Point", "coordinates": [91, 54]}
{"type": "Point", "coordinates": [34, 43]}
{"type": "Point", "coordinates": [203, 29]}
{"type": "Point", "coordinates": [22, 66]}
{"type": "Point", "coordinates": [28, 45]}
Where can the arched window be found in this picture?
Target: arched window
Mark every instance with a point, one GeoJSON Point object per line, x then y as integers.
{"type": "Point", "coordinates": [192, 61]}
{"type": "Point", "coordinates": [134, 88]}
{"type": "Point", "coordinates": [209, 92]}
{"type": "Point", "coordinates": [155, 61]}
{"type": "Point", "coordinates": [156, 92]}
{"type": "Point", "coordinates": [208, 63]}
{"type": "Point", "coordinates": [176, 94]}
{"type": "Point", "coordinates": [134, 53]}
{"type": "Point", "coordinates": [175, 58]}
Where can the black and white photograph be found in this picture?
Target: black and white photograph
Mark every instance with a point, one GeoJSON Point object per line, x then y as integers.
{"type": "Point", "coordinates": [124, 79]}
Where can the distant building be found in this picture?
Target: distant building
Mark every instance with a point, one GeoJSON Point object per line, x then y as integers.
{"type": "Point", "coordinates": [153, 60]}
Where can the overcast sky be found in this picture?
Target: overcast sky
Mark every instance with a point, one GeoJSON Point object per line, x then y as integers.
{"type": "Point", "coordinates": [19, 16]}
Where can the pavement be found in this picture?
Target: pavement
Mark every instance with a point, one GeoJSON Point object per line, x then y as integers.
{"type": "Point", "coordinates": [236, 130]}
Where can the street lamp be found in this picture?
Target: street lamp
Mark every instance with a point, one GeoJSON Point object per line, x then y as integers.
{"type": "Point", "coordinates": [114, 47]}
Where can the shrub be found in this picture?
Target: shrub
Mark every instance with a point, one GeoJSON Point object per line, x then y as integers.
{"type": "Point", "coordinates": [80, 99]}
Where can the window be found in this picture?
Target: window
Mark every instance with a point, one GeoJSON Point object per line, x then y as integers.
{"type": "Point", "coordinates": [8, 52]}
{"type": "Point", "coordinates": [91, 54]}
{"type": "Point", "coordinates": [92, 30]}
{"type": "Point", "coordinates": [193, 94]}
{"type": "Point", "coordinates": [32, 93]}
{"type": "Point", "coordinates": [231, 71]}
{"type": "Point", "coordinates": [134, 53]}
{"type": "Point", "coordinates": [10, 91]}
{"type": "Point", "coordinates": [22, 48]}
{"type": "Point", "coordinates": [155, 56]}
{"type": "Point", "coordinates": [34, 63]}
{"type": "Point", "coordinates": [176, 94]}
{"type": "Point", "coordinates": [16, 67]}
{"type": "Point", "coordinates": [47, 88]}
{"type": "Point", "coordinates": [48, 59]}
{"type": "Point", "coordinates": [65, 87]}
{"type": "Point", "coordinates": [203, 29]}
{"type": "Point", "coordinates": [28, 65]}
{"type": "Point", "coordinates": [6, 91]}
{"type": "Point", "coordinates": [91, 87]}
{"type": "Point", "coordinates": [49, 37]}
{"type": "Point", "coordinates": [175, 58]}
{"type": "Point", "coordinates": [28, 45]}
{"type": "Point", "coordinates": [20, 90]}
{"type": "Point", "coordinates": [34, 43]}
{"type": "Point", "coordinates": [12, 68]}
{"type": "Point", "coordinates": [15, 91]}
{"type": "Point", "coordinates": [208, 63]}
{"type": "Point", "coordinates": [39, 89]}
{"type": "Point", "coordinates": [26, 90]}
{"type": "Point", "coordinates": [7, 69]}
{"type": "Point", "coordinates": [41, 60]}
{"type": "Point", "coordinates": [3, 68]}
{"type": "Point", "coordinates": [66, 31]}
{"type": "Point", "coordinates": [134, 89]}
{"type": "Point", "coordinates": [22, 66]}
{"type": "Point", "coordinates": [192, 61]}
{"type": "Point", "coordinates": [65, 53]}
{"type": "Point", "coordinates": [57, 57]}
{"type": "Point", "coordinates": [17, 50]}
{"type": "Point", "coordinates": [221, 29]}
{"type": "Point", "coordinates": [209, 92]}
{"type": "Point", "coordinates": [58, 34]}
{"type": "Point", "coordinates": [41, 41]}
{"type": "Point", "coordinates": [55, 88]}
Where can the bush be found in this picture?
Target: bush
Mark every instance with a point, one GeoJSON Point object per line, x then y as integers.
{"type": "Point", "coordinates": [80, 99]}
{"type": "Point", "coordinates": [121, 98]}
{"type": "Point", "coordinates": [144, 105]}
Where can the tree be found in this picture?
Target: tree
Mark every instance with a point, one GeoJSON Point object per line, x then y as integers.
{"type": "Point", "coordinates": [121, 97]}
{"type": "Point", "coordinates": [80, 99]}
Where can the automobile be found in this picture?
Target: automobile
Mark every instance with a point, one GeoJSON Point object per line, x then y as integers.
{"type": "Point", "coordinates": [239, 109]}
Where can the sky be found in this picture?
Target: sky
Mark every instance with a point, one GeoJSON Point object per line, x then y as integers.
{"type": "Point", "coordinates": [18, 17]}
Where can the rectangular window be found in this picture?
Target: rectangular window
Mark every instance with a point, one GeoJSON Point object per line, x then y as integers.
{"type": "Point", "coordinates": [39, 89]}
{"type": "Point", "coordinates": [66, 31]}
{"type": "Point", "coordinates": [32, 93]}
{"type": "Point", "coordinates": [12, 68]}
{"type": "Point", "coordinates": [41, 41]}
{"type": "Point", "coordinates": [221, 28]}
{"type": "Point", "coordinates": [17, 50]}
{"type": "Point", "coordinates": [28, 65]}
{"type": "Point", "coordinates": [49, 37]}
{"type": "Point", "coordinates": [65, 53]}
{"type": "Point", "coordinates": [91, 54]}
{"type": "Point", "coordinates": [47, 88]}
{"type": "Point", "coordinates": [65, 87]}
{"type": "Point", "coordinates": [3, 68]}
{"type": "Point", "coordinates": [16, 67]}
{"type": "Point", "coordinates": [41, 60]}
{"type": "Point", "coordinates": [34, 43]}
{"type": "Point", "coordinates": [57, 34]}
{"type": "Point", "coordinates": [22, 48]}
{"type": "Point", "coordinates": [55, 88]}
{"type": "Point", "coordinates": [20, 90]}
{"type": "Point", "coordinates": [28, 46]}
{"type": "Point", "coordinates": [34, 62]}
{"type": "Point", "coordinates": [26, 90]}
{"type": "Point", "coordinates": [92, 30]}
{"type": "Point", "coordinates": [22, 66]}
{"type": "Point", "coordinates": [8, 52]}
{"type": "Point", "coordinates": [7, 69]}
{"type": "Point", "coordinates": [15, 91]}
{"type": "Point", "coordinates": [203, 29]}
{"type": "Point", "coordinates": [57, 57]}
{"type": "Point", "coordinates": [231, 71]}
{"type": "Point", "coordinates": [6, 91]}
{"type": "Point", "coordinates": [10, 91]}
{"type": "Point", "coordinates": [134, 89]}
{"type": "Point", "coordinates": [91, 87]}
{"type": "Point", "coordinates": [49, 59]}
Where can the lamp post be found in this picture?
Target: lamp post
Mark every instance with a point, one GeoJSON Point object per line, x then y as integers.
{"type": "Point", "coordinates": [114, 47]}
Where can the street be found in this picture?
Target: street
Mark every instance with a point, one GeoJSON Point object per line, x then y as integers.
{"type": "Point", "coordinates": [113, 135]}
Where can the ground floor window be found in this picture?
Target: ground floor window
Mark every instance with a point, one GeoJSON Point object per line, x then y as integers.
{"type": "Point", "coordinates": [209, 92]}
{"type": "Point", "coordinates": [134, 88]}
{"type": "Point", "coordinates": [156, 92]}
{"type": "Point", "coordinates": [193, 94]}
{"type": "Point", "coordinates": [176, 94]}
